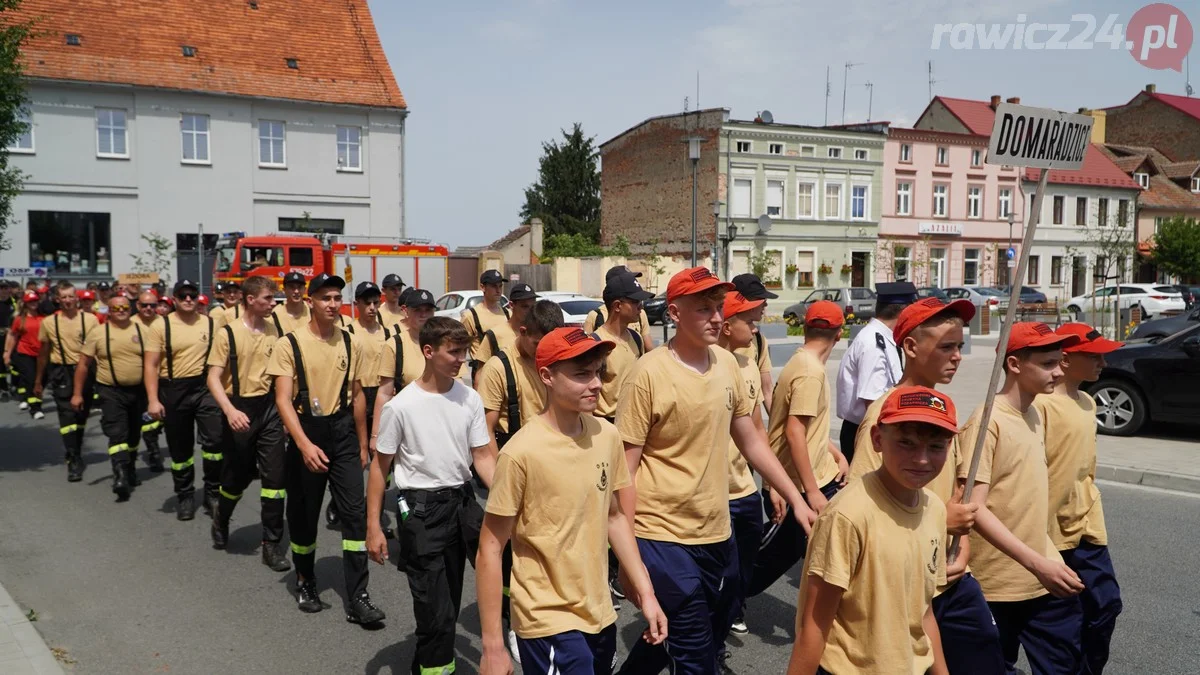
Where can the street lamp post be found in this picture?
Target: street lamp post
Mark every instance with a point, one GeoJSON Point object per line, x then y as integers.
{"type": "Point", "coordinates": [693, 143]}
{"type": "Point", "coordinates": [716, 211]}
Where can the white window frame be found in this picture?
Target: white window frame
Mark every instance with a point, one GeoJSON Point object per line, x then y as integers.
{"type": "Point", "coordinates": [1143, 179]}
{"type": "Point", "coordinates": [345, 167]}
{"type": "Point", "coordinates": [865, 155]}
{"type": "Point", "coordinates": [749, 145]}
{"type": "Point", "coordinates": [812, 271]}
{"type": "Point", "coordinates": [812, 203]}
{"type": "Point", "coordinates": [111, 129]}
{"type": "Point", "coordinates": [749, 201]}
{"type": "Point", "coordinates": [829, 152]}
{"type": "Point", "coordinates": [1056, 270]}
{"type": "Point", "coordinates": [976, 157]}
{"type": "Point", "coordinates": [975, 202]}
{"type": "Point", "coordinates": [904, 198]}
{"type": "Point", "coordinates": [782, 271]}
{"type": "Point", "coordinates": [943, 200]}
{"type": "Point", "coordinates": [841, 195]}
{"type": "Point", "coordinates": [968, 259]}
{"type": "Point", "coordinates": [1004, 203]}
{"type": "Point", "coordinates": [810, 149]}
{"type": "Point", "coordinates": [941, 149]}
{"type": "Point", "coordinates": [772, 147]}
{"type": "Point", "coordinates": [1033, 273]}
{"type": "Point", "coordinates": [782, 185]}
{"type": "Point", "coordinates": [906, 259]}
{"type": "Point", "coordinates": [906, 153]}
{"type": "Point", "coordinates": [938, 267]}
{"type": "Point", "coordinates": [195, 135]}
{"type": "Point", "coordinates": [1195, 183]}
{"type": "Point", "coordinates": [282, 138]}
{"type": "Point", "coordinates": [866, 201]}
{"type": "Point", "coordinates": [24, 114]}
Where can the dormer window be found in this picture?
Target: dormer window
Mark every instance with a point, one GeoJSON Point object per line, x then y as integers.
{"type": "Point", "coordinates": [1195, 184]}
{"type": "Point", "coordinates": [1142, 179]}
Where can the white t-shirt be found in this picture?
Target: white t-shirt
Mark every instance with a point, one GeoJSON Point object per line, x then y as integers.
{"type": "Point", "coordinates": [432, 436]}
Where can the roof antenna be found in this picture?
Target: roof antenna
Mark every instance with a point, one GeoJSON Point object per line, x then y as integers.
{"type": "Point", "coordinates": [1187, 74]}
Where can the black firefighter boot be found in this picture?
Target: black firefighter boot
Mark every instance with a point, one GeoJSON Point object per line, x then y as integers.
{"type": "Point", "coordinates": [274, 557]}
{"type": "Point", "coordinates": [131, 470]}
{"type": "Point", "coordinates": [74, 465]}
{"type": "Point", "coordinates": [154, 458]}
{"type": "Point", "coordinates": [220, 524]}
{"type": "Point", "coordinates": [120, 471]}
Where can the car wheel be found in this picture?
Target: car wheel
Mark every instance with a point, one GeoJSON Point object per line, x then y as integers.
{"type": "Point", "coordinates": [1120, 408]}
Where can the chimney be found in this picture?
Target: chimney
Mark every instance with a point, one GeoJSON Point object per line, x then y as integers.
{"type": "Point", "coordinates": [1099, 122]}
{"type": "Point", "coordinates": [995, 101]}
{"type": "Point", "coordinates": [1151, 88]}
{"type": "Point", "coordinates": [1015, 100]}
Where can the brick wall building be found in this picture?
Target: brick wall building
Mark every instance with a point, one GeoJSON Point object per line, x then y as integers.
{"type": "Point", "coordinates": [1164, 121]}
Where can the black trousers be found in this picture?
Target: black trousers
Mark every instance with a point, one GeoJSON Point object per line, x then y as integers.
{"type": "Point", "coordinates": [783, 545]}
{"type": "Point", "coordinates": [26, 370]}
{"type": "Point", "coordinates": [846, 438]}
{"type": "Point", "coordinates": [261, 449]}
{"type": "Point", "coordinates": [335, 435]}
{"type": "Point", "coordinates": [437, 539]}
{"type": "Point", "coordinates": [121, 411]}
{"type": "Point", "coordinates": [189, 405]}
{"type": "Point", "coordinates": [71, 424]}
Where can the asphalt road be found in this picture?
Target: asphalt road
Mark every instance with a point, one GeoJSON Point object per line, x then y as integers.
{"type": "Point", "coordinates": [125, 588]}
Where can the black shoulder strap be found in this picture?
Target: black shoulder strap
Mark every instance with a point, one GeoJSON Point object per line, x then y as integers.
{"type": "Point", "coordinates": [386, 333]}
{"type": "Point", "coordinates": [758, 346]}
{"type": "Point", "coordinates": [278, 325]}
{"type": "Point", "coordinates": [350, 328]}
{"type": "Point", "coordinates": [237, 311]}
{"type": "Point", "coordinates": [514, 405]}
{"type": "Point", "coordinates": [506, 314]}
{"type": "Point", "coordinates": [233, 362]}
{"type": "Point", "coordinates": [637, 340]}
{"type": "Point", "coordinates": [399, 376]}
{"type": "Point", "coordinates": [599, 317]}
{"type": "Point", "coordinates": [208, 345]}
{"type": "Point", "coordinates": [83, 324]}
{"type": "Point", "coordinates": [112, 371]}
{"type": "Point", "coordinates": [141, 343]}
{"type": "Point", "coordinates": [167, 346]}
{"type": "Point", "coordinates": [479, 326]}
{"type": "Point", "coordinates": [62, 353]}
{"type": "Point", "coordinates": [300, 400]}
{"type": "Point", "coordinates": [345, 395]}
{"type": "Point", "coordinates": [492, 342]}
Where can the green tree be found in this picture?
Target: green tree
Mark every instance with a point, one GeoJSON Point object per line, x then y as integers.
{"type": "Point", "coordinates": [566, 195]}
{"type": "Point", "coordinates": [157, 259]}
{"type": "Point", "coordinates": [579, 246]}
{"type": "Point", "coordinates": [1177, 248]}
{"type": "Point", "coordinates": [12, 99]}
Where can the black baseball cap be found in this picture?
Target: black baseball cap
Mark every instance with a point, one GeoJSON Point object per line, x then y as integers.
{"type": "Point", "coordinates": [521, 292]}
{"type": "Point", "coordinates": [219, 287]}
{"type": "Point", "coordinates": [490, 277]}
{"type": "Point", "coordinates": [625, 286]}
{"type": "Point", "coordinates": [418, 297]}
{"type": "Point", "coordinates": [293, 278]}
{"type": "Point", "coordinates": [619, 269]}
{"type": "Point", "coordinates": [325, 280]}
{"type": "Point", "coordinates": [404, 294]}
{"type": "Point", "coordinates": [104, 286]}
{"type": "Point", "coordinates": [182, 284]}
{"type": "Point", "coordinates": [233, 285]}
{"type": "Point", "coordinates": [896, 293]}
{"type": "Point", "coordinates": [364, 289]}
{"type": "Point", "coordinates": [391, 280]}
{"type": "Point", "coordinates": [752, 288]}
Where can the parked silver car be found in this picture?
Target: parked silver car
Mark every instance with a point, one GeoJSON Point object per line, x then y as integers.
{"type": "Point", "coordinates": [978, 295]}
{"type": "Point", "coordinates": [855, 300]}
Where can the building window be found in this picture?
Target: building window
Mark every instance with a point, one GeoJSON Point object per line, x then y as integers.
{"type": "Point", "coordinates": [1059, 202]}
{"type": "Point", "coordinates": [860, 154]}
{"type": "Point", "coordinates": [976, 157]}
{"type": "Point", "coordinates": [1035, 262]}
{"type": "Point", "coordinates": [1005, 203]}
{"type": "Point", "coordinates": [110, 133]}
{"type": "Point", "coordinates": [804, 200]}
{"type": "Point", "coordinates": [24, 142]}
{"type": "Point", "coordinates": [349, 147]}
{"type": "Point", "coordinates": [1056, 270]}
{"type": "Point", "coordinates": [68, 242]}
{"type": "Point", "coordinates": [1143, 179]}
{"type": "Point", "coordinates": [835, 153]}
{"type": "Point", "coordinates": [741, 197]}
{"type": "Point", "coordinates": [1195, 183]}
{"type": "Point", "coordinates": [775, 148]}
{"type": "Point", "coordinates": [1081, 211]}
{"type": "Point", "coordinates": [1158, 221]}
{"type": "Point", "coordinates": [903, 199]}
{"type": "Point", "coordinates": [905, 152]}
{"type": "Point", "coordinates": [939, 200]}
{"type": "Point", "coordinates": [901, 262]}
{"type": "Point", "coordinates": [858, 202]}
{"type": "Point", "coordinates": [808, 151]}
{"type": "Point", "coordinates": [1123, 212]}
{"type": "Point", "coordinates": [775, 198]}
{"type": "Point", "coordinates": [974, 202]}
{"type": "Point", "coordinates": [943, 156]}
{"type": "Point", "coordinates": [971, 267]}
{"type": "Point", "coordinates": [744, 146]}
{"type": "Point", "coordinates": [1102, 212]}
{"type": "Point", "coordinates": [833, 201]}
{"type": "Point", "coordinates": [271, 144]}
{"type": "Point", "coordinates": [322, 225]}
{"type": "Point", "coordinates": [195, 138]}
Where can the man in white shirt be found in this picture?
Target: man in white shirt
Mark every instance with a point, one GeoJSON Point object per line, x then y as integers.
{"type": "Point", "coordinates": [433, 431]}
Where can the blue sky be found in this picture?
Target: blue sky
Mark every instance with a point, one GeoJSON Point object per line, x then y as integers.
{"type": "Point", "coordinates": [487, 82]}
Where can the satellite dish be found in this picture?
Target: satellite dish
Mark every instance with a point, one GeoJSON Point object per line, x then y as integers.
{"type": "Point", "coordinates": [767, 117]}
{"type": "Point", "coordinates": [764, 223]}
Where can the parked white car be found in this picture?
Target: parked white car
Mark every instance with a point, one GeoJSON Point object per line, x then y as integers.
{"type": "Point", "coordinates": [454, 303]}
{"type": "Point", "coordinates": [1154, 299]}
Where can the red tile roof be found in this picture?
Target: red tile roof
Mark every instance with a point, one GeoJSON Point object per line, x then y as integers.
{"type": "Point", "coordinates": [977, 116]}
{"type": "Point", "coordinates": [1191, 106]}
{"type": "Point", "coordinates": [1165, 193]}
{"type": "Point", "coordinates": [240, 50]}
{"type": "Point", "coordinates": [1180, 169]}
{"type": "Point", "coordinates": [1097, 170]}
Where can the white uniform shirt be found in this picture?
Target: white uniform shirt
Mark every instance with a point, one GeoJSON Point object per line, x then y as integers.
{"type": "Point", "coordinates": [870, 367]}
{"type": "Point", "coordinates": [432, 435]}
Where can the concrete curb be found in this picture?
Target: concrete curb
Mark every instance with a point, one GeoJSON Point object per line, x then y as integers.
{"type": "Point", "coordinates": [1150, 478]}
{"type": "Point", "coordinates": [23, 651]}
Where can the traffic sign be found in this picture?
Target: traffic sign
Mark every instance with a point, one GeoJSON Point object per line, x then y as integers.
{"type": "Point", "coordinates": [1012, 253]}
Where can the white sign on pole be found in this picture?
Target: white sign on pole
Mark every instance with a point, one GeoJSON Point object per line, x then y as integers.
{"type": "Point", "coordinates": [1039, 137]}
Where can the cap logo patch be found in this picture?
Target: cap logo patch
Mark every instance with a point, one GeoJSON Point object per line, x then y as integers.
{"type": "Point", "coordinates": [701, 274]}
{"type": "Point", "coordinates": [576, 336]}
{"type": "Point", "coordinates": [1094, 335]}
{"type": "Point", "coordinates": [922, 399]}
{"type": "Point", "coordinates": [931, 302]}
{"type": "Point", "coordinates": [1042, 329]}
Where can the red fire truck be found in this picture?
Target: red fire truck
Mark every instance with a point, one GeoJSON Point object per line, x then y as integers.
{"type": "Point", "coordinates": [355, 259]}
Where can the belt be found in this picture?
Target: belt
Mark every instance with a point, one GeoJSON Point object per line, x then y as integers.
{"type": "Point", "coordinates": [440, 495]}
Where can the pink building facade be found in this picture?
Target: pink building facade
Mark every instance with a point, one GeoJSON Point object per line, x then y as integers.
{"type": "Point", "coordinates": [945, 216]}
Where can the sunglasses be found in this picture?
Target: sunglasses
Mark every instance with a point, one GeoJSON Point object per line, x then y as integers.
{"type": "Point", "coordinates": [118, 308]}
{"type": "Point", "coordinates": [147, 305]}
{"type": "Point", "coordinates": [186, 296]}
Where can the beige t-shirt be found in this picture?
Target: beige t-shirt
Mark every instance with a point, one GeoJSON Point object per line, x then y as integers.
{"type": "Point", "coordinates": [616, 368]}
{"type": "Point", "coordinates": [681, 419]}
{"type": "Point", "coordinates": [414, 360]}
{"type": "Point", "coordinates": [253, 355]}
{"type": "Point", "coordinates": [66, 340]}
{"type": "Point", "coordinates": [505, 337]}
{"type": "Point", "coordinates": [763, 358]}
{"type": "Point", "coordinates": [493, 387]}
{"type": "Point", "coordinates": [888, 558]}
{"type": "Point", "coordinates": [223, 314]}
{"type": "Point", "coordinates": [487, 321]}
{"type": "Point", "coordinates": [803, 390]}
{"type": "Point", "coordinates": [389, 319]}
{"type": "Point", "coordinates": [373, 347]}
{"type": "Point", "coordinates": [643, 326]}
{"type": "Point", "coordinates": [125, 359]}
{"type": "Point", "coordinates": [1013, 464]}
{"type": "Point", "coordinates": [287, 322]}
{"type": "Point", "coordinates": [741, 481]}
{"type": "Point", "coordinates": [188, 351]}
{"type": "Point", "coordinates": [1075, 509]}
{"type": "Point", "coordinates": [326, 367]}
{"type": "Point", "coordinates": [559, 489]}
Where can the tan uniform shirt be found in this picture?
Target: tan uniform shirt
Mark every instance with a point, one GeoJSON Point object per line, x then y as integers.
{"type": "Point", "coordinates": [559, 489]}
{"type": "Point", "coordinates": [118, 353]}
{"type": "Point", "coordinates": [643, 325]}
{"type": "Point", "coordinates": [287, 322]}
{"type": "Point", "coordinates": [505, 337]}
{"type": "Point", "coordinates": [414, 360]}
{"type": "Point", "coordinates": [487, 320]}
{"type": "Point", "coordinates": [616, 368]}
{"type": "Point", "coordinates": [373, 347]}
{"type": "Point", "coordinates": [493, 387]}
{"type": "Point", "coordinates": [187, 353]}
{"type": "Point", "coordinates": [66, 336]}
{"type": "Point", "coordinates": [253, 355]}
{"type": "Point", "coordinates": [803, 390]}
{"type": "Point", "coordinates": [1075, 509]}
{"type": "Point", "coordinates": [389, 319]}
{"type": "Point", "coordinates": [224, 314]}
{"type": "Point", "coordinates": [327, 369]}
{"type": "Point", "coordinates": [741, 481]}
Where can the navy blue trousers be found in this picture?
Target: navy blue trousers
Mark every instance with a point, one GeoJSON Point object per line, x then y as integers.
{"type": "Point", "coordinates": [970, 640]}
{"type": "Point", "coordinates": [1101, 600]}
{"type": "Point", "coordinates": [570, 653]}
{"type": "Point", "coordinates": [1047, 627]}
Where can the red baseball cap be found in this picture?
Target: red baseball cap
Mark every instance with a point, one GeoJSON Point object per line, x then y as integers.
{"type": "Point", "coordinates": [1036, 334]}
{"type": "Point", "coordinates": [694, 280]}
{"type": "Point", "coordinates": [1090, 339]}
{"type": "Point", "coordinates": [203, 299]}
{"type": "Point", "coordinates": [919, 404]}
{"type": "Point", "coordinates": [30, 296]}
{"type": "Point", "coordinates": [87, 295]}
{"type": "Point", "coordinates": [564, 344]}
{"type": "Point", "coordinates": [925, 309]}
{"type": "Point", "coordinates": [824, 314]}
{"type": "Point", "coordinates": [736, 303]}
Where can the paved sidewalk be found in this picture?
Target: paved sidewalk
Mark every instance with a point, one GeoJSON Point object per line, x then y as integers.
{"type": "Point", "coordinates": [22, 649]}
